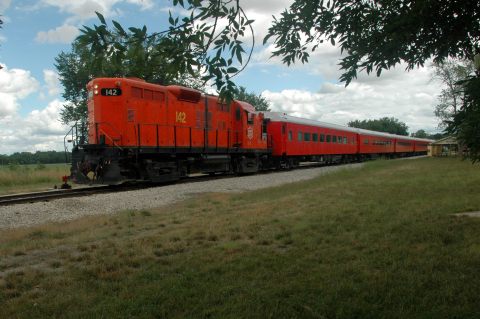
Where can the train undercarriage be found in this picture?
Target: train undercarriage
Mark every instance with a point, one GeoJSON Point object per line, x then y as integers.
{"type": "Point", "coordinates": [110, 165]}
{"type": "Point", "coordinates": [102, 164]}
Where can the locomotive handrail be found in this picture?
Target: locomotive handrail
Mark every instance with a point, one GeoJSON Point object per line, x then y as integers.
{"type": "Point", "coordinates": [73, 139]}
{"type": "Point", "coordinates": [112, 139]}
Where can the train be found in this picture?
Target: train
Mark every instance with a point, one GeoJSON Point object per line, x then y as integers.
{"type": "Point", "coordinates": [140, 131]}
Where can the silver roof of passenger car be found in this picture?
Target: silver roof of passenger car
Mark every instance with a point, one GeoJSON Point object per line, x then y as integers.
{"type": "Point", "coordinates": [283, 117]}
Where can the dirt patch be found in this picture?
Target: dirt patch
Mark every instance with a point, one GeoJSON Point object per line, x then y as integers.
{"type": "Point", "coordinates": [468, 214]}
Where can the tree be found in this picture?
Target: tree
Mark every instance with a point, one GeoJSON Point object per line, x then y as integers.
{"type": "Point", "coordinates": [139, 56]}
{"type": "Point", "coordinates": [75, 72]}
{"type": "Point", "coordinates": [451, 73]}
{"type": "Point", "coordinates": [377, 35]}
{"type": "Point", "coordinates": [191, 45]}
{"type": "Point", "coordinates": [420, 134]}
{"type": "Point", "coordinates": [384, 124]}
{"type": "Point", "coordinates": [373, 35]}
{"type": "Point", "coordinates": [258, 101]}
{"type": "Point", "coordinates": [466, 122]}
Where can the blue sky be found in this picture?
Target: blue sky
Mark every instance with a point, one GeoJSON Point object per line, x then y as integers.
{"type": "Point", "coordinates": [35, 32]}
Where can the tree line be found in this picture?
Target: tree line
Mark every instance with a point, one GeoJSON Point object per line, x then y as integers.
{"type": "Point", "coordinates": [39, 157]}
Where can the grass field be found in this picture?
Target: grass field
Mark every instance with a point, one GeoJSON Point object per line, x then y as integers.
{"type": "Point", "coordinates": [25, 178]}
{"type": "Point", "coordinates": [377, 242]}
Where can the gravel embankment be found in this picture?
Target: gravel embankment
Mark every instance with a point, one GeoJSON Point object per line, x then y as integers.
{"type": "Point", "coordinates": [59, 210]}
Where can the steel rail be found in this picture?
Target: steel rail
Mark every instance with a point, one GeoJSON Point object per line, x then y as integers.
{"type": "Point", "coordinates": [64, 193]}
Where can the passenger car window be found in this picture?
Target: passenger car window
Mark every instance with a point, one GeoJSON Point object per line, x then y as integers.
{"type": "Point", "coordinates": [328, 138]}
{"type": "Point", "coordinates": [290, 135]}
{"type": "Point", "coordinates": [314, 137]}
{"type": "Point", "coordinates": [300, 136]}
{"type": "Point", "coordinates": [334, 139]}
{"type": "Point", "coordinates": [307, 137]}
{"type": "Point", "coordinates": [322, 137]}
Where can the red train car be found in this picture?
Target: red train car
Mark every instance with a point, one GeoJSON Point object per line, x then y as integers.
{"type": "Point", "coordinates": [372, 143]}
{"type": "Point", "coordinates": [138, 130]}
{"type": "Point", "coordinates": [144, 131]}
{"type": "Point", "coordinates": [296, 139]}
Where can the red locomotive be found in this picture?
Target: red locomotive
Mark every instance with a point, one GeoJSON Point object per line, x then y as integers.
{"type": "Point", "coordinates": [143, 131]}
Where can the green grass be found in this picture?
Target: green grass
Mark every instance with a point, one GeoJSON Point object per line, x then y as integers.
{"type": "Point", "coordinates": [25, 178]}
{"type": "Point", "coordinates": [377, 242]}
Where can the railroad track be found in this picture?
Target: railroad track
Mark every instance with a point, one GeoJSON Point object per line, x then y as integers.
{"type": "Point", "coordinates": [46, 196]}
{"type": "Point", "coordinates": [50, 195]}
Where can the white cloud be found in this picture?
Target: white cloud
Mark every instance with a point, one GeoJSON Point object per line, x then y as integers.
{"type": "Point", "coordinates": [52, 82]}
{"type": "Point", "coordinates": [63, 34]}
{"type": "Point", "coordinates": [409, 97]}
{"type": "Point", "coordinates": [4, 4]}
{"type": "Point", "coordinates": [143, 4]}
{"type": "Point", "coordinates": [15, 84]}
{"type": "Point", "coordinates": [80, 11]}
{"type": "Point", "coordinates": [8, 105]}
{"type": "Point", "coordinates": [40, 130]}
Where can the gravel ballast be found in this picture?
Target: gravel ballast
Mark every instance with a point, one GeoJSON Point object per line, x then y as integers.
{"type": "Point", "coordinates": [24, 215]}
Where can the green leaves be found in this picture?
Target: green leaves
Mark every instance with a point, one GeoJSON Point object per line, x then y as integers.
{"type": "Point", "coordinates": [258, 101]}
{"type": "Point", "coordinates": [192, 44]}
{"type": "Point", "coordinates": [376, 36]}
{"type": "Point", "coordinates": [385, 124]}
{"type": "Point", "coordinates": [100, 17]}
{"type": "Point", "coordinates": [465, 123]}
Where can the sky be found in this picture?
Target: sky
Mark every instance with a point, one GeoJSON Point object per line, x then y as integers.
{"type": "Point", "coordinates": [35, 32]}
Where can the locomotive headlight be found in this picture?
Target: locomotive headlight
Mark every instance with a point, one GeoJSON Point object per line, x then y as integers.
{"type": "Point", "coordinates": [95, 86]}
{"type": "Point", "coordinates": [96, 92]}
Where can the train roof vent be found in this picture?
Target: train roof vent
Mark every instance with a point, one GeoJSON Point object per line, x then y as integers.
{"type": "Point", "coordinates": [185, 94]}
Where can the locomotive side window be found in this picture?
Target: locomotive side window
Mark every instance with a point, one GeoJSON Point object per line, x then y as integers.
{"type": "Point", "coordinates": [290, 136]}
{"type": "Point", "coordinates": [334, 139]}
{"type": "Point", "coordinates": [345, 140]}
{"type": "Point", "coordinates": [365, 141]}
{"type": "Point", "coordinates": [315, 137]}
{"type": "Point", "coordinates": [300, 136]}
{"type": "Point", "coordinates": [328, 138]}
{"type": "Point", "coordinates": [322, 137]}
